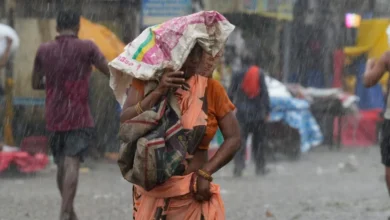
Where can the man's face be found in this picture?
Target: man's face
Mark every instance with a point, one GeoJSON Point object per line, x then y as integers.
{"type": "Point", "coordinates": [201, 62]}
{"type": "Point", "coordinates": [209, 63]}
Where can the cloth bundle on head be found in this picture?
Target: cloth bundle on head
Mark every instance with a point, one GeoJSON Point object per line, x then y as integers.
{"type": "Point", "coordinates": [167, 45]}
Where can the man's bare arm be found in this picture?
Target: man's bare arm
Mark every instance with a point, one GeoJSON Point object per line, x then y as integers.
{"type": "Point", "coordinates": [375, 69]}
{"type": "Point", "coordinates": [37, 81]}
{"type": "Point", "coordinates": [37, 74]}
{"type": "Point", "coordinates": [102, 66]}
{"type": "Point", "coordinates": [98, 59]}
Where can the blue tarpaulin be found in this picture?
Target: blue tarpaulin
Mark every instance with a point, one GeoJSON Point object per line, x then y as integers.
{"type": "Point", "coordinates": [296, 113]}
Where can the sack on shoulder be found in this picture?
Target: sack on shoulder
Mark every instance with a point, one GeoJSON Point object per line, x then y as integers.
{"type": "Point", "coordinates": [133, 129]}
{"type": "Point", "coordinates": [154, 145]}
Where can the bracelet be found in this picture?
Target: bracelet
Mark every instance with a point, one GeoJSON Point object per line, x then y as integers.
{"type": "Point", "coordinates": [138, 108]}
{"type": "Point", "coordinates": [205, 175]}
{"type": "Point", "coordinates": [195, 185]}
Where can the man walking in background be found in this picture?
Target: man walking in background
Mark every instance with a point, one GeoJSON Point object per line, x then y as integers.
{"type": "Point", "coordinates": [375, 69]}
{"type": "Point", "coordinates": [4, 57]}
{"type": "Point", "coordinates": [7, 52]}
{"type": "Point", "coordinates": [249, 93]}
{"type": "Point", "coordinates": [63, 67]}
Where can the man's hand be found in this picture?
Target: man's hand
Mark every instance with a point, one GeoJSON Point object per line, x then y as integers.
{"type": "Point", "coordinates": [370, 64]}
{"type": "Point", "coordinates": [375, 68]}
{"type": "Point", "coordinates": [202, 193]}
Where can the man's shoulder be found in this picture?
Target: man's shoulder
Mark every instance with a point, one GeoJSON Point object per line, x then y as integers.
{"type": "Point", "coordinates": [46, 45]}
{"type": "Point", "coordinates": [87, 43]}
{"type": "Point", "coordinates": [54, 43]}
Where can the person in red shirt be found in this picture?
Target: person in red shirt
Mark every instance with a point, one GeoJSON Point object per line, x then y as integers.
{"type": "Point", "coordinates": [63, 67]}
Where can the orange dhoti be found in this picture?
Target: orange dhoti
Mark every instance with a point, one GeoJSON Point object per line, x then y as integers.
{"type": "Point", "coordinates": [181, 204]}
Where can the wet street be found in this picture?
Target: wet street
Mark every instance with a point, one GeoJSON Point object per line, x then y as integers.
{"type": "Point", "coordinates": [318, 186]}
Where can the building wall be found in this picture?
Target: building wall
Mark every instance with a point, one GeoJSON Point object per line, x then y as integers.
{"type": "Point", "coordinates": [32, 32]}
{"type": "Point", "coordinates": [382, 8]}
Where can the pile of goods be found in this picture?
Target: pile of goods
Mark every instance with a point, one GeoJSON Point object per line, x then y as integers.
{"type": "Point", "coordinates": [29, 158]}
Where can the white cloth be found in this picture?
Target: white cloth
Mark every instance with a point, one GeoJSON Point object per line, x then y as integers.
{"type": "Point", "coordinates": [276, 88]}
{"type": "Point", "coordinates": [7, 31]}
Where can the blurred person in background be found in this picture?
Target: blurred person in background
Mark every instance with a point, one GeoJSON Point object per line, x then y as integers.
{"type": "Point", "coordinates": [63, 67]}
{"type": "Point", "coordinates": [249, 93]}
{"type": "Point", "coordinates": [4, 57]}
{"type": "Point", "coordinates": [3, 62]}
{"type": "Point", "coordinates": [375, 69]}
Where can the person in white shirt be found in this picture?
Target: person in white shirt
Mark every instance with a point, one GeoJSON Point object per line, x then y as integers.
{"type": "Point", "coordinates": [4, 57]}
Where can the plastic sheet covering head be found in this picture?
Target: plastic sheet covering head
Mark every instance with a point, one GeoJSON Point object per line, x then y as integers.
{"type": "Point", "coordinates": [167, 45]}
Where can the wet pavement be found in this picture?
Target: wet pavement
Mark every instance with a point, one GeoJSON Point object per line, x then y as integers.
{"type": "Point", "coordinates": [322, 185]}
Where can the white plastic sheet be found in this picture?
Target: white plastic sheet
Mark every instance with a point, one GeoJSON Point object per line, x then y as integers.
{"type": "Point", "coordinates": [276, 88]}
{"type": "Point", "coordinates": [167, 45]}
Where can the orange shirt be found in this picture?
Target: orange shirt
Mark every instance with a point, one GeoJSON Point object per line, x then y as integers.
{"type": "Point", "coordinates": [218, 103]}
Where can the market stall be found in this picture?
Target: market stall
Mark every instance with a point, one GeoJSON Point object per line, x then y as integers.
{"type": "Point", "coordinates": [294, 113]}
{"type": "Point", "coordinates": [292, 129]}
{"type": "Point", "coordinates": [372, 41]}
{"type": "Point", "coordinates": [336, 111]}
